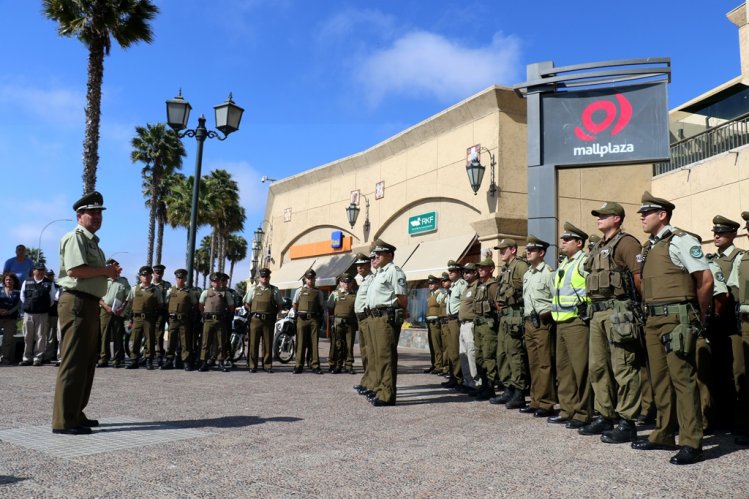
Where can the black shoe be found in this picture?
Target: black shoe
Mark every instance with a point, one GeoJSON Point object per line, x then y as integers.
{"type": "Point", "coordinates": [496, 400]}
{"type": "Point", "coordinates": [253, 370]}
{"type": "Point", "coordinates": [516, 401]}
{"type": "Point", "coordinates": [79, 430]}
{"type": "Point", "coordinates": [543, 413]}
{"type": "Point", "coordinates": [527, 410]}
{"type": "Point", "coordinates": [450, 383]}
{"type": "Point", "coordinates": [331, 369]}
{"type": "Point", "coordinates": [117, 364]}
{"type": "Point", "coordinates": [558, 419]}
{"type": "Point", "coordinates": [24, 363]}
{"type": "Point", "coordinates": [429, 370]}
{"type": "Point", "coordinates": [506, 396]}
{"type": "Point", "coordinates": [269, 370]}
{"type": "Point", "coordinates": [98, 365]}
{"type": "Point", "coordinates": [317, 371]}
{"type": "Point", "coordinates": [352, 371]}
{"type": "Point", "coordinates": [226, 366]}
{"type": "Point", "coordinates": [645, 420]}
{"type": "Point", "coordinates": [133, 365]}
{"type": "Point", "coordinates": [178, 364]}
{"type": "Point", "coordinates": [597, 426]}
{"type": "Point", "coordinates": [741, 440]}
{"type": "Point", "coordinates": [188, 367]}
{"type": "Point", "coordinates": [337, 370]}
{"type": "Point", "coordinates": [166, 366]}
{"type": "Point", "coordinates": [688, 455]}
{"type": "Point", "coordinates": [297, 370]}
{"type": "Point", "coordinates": [371, 395]}
{"type": "Point", "coordinates": [622, 433]}
{"type": "Point", "coordinates": [574, 424]}
{"type": "Point", "coordinates": [89, 423]}
{"type": "Point", "coordinates": [358, 387]}
{"type": "Point", "coordinates": [363, 390]}
{"type": "Point", "coordinates": [646, 444]}
{"type": "Point", "coordinates": [204, 367]}
{"type": "Point", "coordinates": [149, 365]}
{"type": "Point", "coordinates": [379, 403]}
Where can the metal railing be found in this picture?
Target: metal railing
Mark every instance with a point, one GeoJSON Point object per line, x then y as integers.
{"type": "Point", "coordinates": [707, 144]}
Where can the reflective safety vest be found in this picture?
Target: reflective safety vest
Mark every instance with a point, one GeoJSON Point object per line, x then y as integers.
{"type": "Point", "coordinates": [569, 290]}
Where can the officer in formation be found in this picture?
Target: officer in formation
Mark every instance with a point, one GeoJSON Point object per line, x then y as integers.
{"type": "Point", "coordinates": [445, 282]}
{"type": "Point", "coordinates": [613, 285]}
{"type": "Point", "coordinates": [437, 298]}
{"type": "Point", "coordinates": [181, 307]}
{"type": "Point", "coordinates": [456, 289]}
{"type": "Point", "coordinates": [466, 316]}
{"type": "Point", "coordinates": [147, 304]}
{"type": "Point", "coordinates": [309, 310]}
{"type": "Point", "coordinates": [366, 343]}
{"type": "Point", "coordinates": [387, 301]}
{"type": "Point", "coordinates": [485, 328]}
{"type": "Point", "coordinates": [341, 304]}
{"type": "Point", "coordinates": [111, 318]}
{"type": "Point", "coordinates": [511, 356]}
{"type": "Point", "coordinates": [538, 292]}
{"type": "Point", "coordinates": [215, 304]}
{"type": "Point", "coordinates": [162, 318]}
{"type": "Point", "coordinates": [263, 301]}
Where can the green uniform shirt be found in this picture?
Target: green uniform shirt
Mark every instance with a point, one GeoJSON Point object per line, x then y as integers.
{"type": "Point", "coordinates": [117, 289]}
{"type": "Point", "coordinates": [194, 294]}
{"type": "Point", "coordinates": [538, 289]}
{"type": "Point", "coordinates": [361, 296]}
{"type": "Point", "coordinates": [298, 293]}
{"type": "Point", "coordinates": [719, 285]}
{"type": "Point", "coordinates": [229, 297]}
{"type": "Point", "coordinates": [455, 294]}
{"type": "Point", "coordinates": [81, 247]}
{"type": "Point", "coordinates": [251, 294]}
{"type": "Point", "coordinates": [685, 251]}
{"type": "Point", "coordinates": [388, 283]}
{"type": "Point", "coordinates": [157, 293]}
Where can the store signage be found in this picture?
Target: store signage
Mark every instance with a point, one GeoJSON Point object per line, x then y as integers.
{"type": "Point", "coordinates": [420, 224]}
{"type": "Point", "coordinates": [612, 126]}
{"type": "Point", "coordinates": [336, 239]}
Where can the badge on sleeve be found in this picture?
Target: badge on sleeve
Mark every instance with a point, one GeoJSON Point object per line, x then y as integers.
{"type": "Point", "coordinates": [719, 277]}
{"type": "Point", "coordinates": [639, 258]}
{"type": "Point", "coordinates": [695, 252]}
{"type": "Point", "coordinates": [402, 281]}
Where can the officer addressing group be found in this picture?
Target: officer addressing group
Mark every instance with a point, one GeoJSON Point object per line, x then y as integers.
{"type": "Point", "coordinates": [181, 305]}
{"type": "Point", "coordinates": [677, 289]}
{"type": "Point", "coordinates": [263, 301]}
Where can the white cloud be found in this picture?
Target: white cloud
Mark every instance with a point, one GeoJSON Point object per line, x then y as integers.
{"type": "Point", "coordinates": [252, 194]}
{"type": "Point", "coordinates": [427, 63]}
{"type": "Point", "coordinates": [352, 22]}
{"type": "Point", "coordinates": [60, 106]}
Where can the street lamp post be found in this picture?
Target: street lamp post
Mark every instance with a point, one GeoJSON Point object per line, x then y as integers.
{"type": "Point", "coordinates": [228, 115]}
{"type": "Point", "coordinates": [258, 238]}
{"type": "Point", "coordinates": [476, 170]}
{"type": "Point", "coordinates": [39, 244]}
{"type": "Point", "coordinates": [352, 213]}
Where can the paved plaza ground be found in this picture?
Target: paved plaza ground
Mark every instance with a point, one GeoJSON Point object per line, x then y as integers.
{"type": "Point", "coordinates": [177, 434]}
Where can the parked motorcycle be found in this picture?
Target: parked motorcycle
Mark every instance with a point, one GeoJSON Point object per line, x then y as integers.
{"type": "Point", "coordinates": [238, 338]}
{"type": "Point", "coordinates": [284, 339]}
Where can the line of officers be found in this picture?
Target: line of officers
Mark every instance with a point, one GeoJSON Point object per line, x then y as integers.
{"type": "Point", "coordinates": [629, 334]}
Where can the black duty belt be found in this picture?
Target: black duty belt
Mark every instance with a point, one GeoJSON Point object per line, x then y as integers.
{"type": "Point", "coordinates": [665, 309]}
{"type": "Point", "coordinates": [263, 317]}
{"type": "Point", "coordinates": [434, 322]}
{"type": "Point", "coordinates": [344, 319]}
{"type": "Point", "coordinates": [381, 312]}
{"type": "Point", "coordinates": [444, 320]}
{"type": "Point", "coordinates": [599, 306]}
{"type": "Point", "coordinates": [361, 316]}
{"type": "Point", "coordinates": [453, 317]}
{"type": "Point", "coordinates": [139, 315]}
{"type": "Point", "coordinates": [507, 310]}
{"type": "Point", "coordinates": [177, 317]}
{"type": "Point", "coordinates": [306, 315]}
{"type": "Point", "coordinates": [213, 317]}
{"type": "Point", "coordinates": [469, 321]}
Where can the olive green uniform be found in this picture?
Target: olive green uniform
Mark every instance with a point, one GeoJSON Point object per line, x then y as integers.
{"type": "Point", "coordinates": [435, 303]}
{"type": "Point", "coordinates": [669, 292]}
{"type": "Point", "coordinates": [366, 344]}
{"type": "Point", "coordinates": [386, 319]}
{"type": "Point", "coordinates": [445, 331]}
{"type": "Point", "coordinates": [112, 325]}
{"type": "Point", "coordinates": [309, 315]}
{"type": "Point", "coordinates": [455, 293]}
{"type": "Point", "coordinates": [263, 302]}
{"type": "Point", "coordinates": [147, 304]}
{"type": "Point", "coordinates": [180, 305]}
{"type": "Point", "coordinates": [485, 332]}
{"type": "Point", "coordinates": [511, 355]}
{"type": "Point", "coordinates": [614, 355]}
{"type": "Point", "coordinates": [78, 309]}
{"type": "Point", "coordinates": [161, 320]}
{"type": "Point", "coordinates": [342, 349]}
{"type": "Point", "coordinates": [738, 283]}
{"type": "Point", "coordinates": [538, 289]}
{"type": "Point", "coordinates": [216, 305]}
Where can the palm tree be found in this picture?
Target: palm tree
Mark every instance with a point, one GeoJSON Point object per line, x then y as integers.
{"type": "Point", "coordinates": [236, 251]}
{"type": "Point", "coordinates": [161, 151]}
{"type": "Point", "coordinates": [225, 215]}
{"type": "Point", "coordinates": [36, 255]}
{"type": "Point", "coordinates": [95, 23]}
{"type": "Point", "coordinates": [178, 200]}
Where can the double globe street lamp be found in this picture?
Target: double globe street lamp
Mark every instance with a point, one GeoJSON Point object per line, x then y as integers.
{"type": "Point", "coordinates": [228, 115]}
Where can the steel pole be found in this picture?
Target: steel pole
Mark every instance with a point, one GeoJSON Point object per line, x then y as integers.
{"type": "Point", "coordinates": [200, 135]}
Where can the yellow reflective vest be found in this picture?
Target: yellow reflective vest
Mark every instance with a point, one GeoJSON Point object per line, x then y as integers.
{"type": "Point", "coordinates": [569, 289]}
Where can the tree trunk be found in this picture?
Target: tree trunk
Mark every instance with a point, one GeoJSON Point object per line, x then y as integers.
{"type": "Point", "coordinates": [151, 223]}
{"type": "Point", "coordinates": [231, 271]}
{"type": "Point", "coordinates": [93, 113]}
{"type": "Point", "coordinates": [213, 251]}
{"type": "Point", "coordinates": [159, 240]}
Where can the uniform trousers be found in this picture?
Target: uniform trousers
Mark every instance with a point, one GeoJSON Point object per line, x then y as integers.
{"type": "Point", "coordinates": [112, 329]}
{"type": "Point", "coordinates": [453, 349]}
{"type": "Point", "coordinates": [740, 348]}
{"type": "Point", "coordinates": [385, 334]}
{"type": "Point", "coordinates": [159, 328]}
{"type": "Point", "coordinates": [342, 343]}
{"type": "Point", "coordinates": [704, 378]}
{"type": "Point", "coordinates": [261, 330]}
{"type": "Point", "coordinates": [511, 355]}
{"type": "Point", "coordinates": [143, 327]}
{"type": "Point", "coordinates": [214, 331]}
{"type": "Point", "coordinates": [9, 328]}
{"type": "Point", "coordinates": [674, 387]}
{"type": "Point", "coordinates": [307, 337]}
{"type": "Point", "coordinates": [539, 342]}
{"type": "Point", "coordinates": [437, 349]}
{"type": "Point", "coordinates": [647, 407]}
{"type": "Point", "coordinates": [485, 336]}
{"type": "Point", "coordinates": [572, 370]}
{"type": "Point", "coordinates": [180, 333]}
{"type": "Point", "coordinates": [614, 371]}
{"type": "Point", "coordinates": [79, 325]}
{"type": "Point", "coordinates": [366, 349]}
{"type": "Point", "coordinates": [35, 328]}
{"type": "Point", "coordinates": [468, 354]}
{"type": "Point", "coordinates": [53, 338]}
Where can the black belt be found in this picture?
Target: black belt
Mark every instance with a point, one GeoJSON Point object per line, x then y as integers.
{"type": "Point", "coordinates": [144, 316]}
{"type": "Point", "coordinates": [178, 317]}
{"type": "Point", "coordinates": [434, 321]}
{"type": "Point", "coordinates": [453, 317]}
{"type": "Point", "coordinates": [213, 317]}
{"type": "Point", "coordinates": [470, 321]}
{"type": "Point", "coordinates": [381, 312]}
{"type": "Point", "coordinates": [599, 306]}
{"type": "Point", "coordinates": [665, 309]}
{"type": "Point", "coordinates": [361, 316]}
{"type": "Point", "coordinates": [263, 317]}
{"type": "Point", "coordinates": [507, 310]}
{"type": "Point", "coordinates": [306, 315]}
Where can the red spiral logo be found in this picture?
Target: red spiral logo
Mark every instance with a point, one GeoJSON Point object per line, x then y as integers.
{"type": "Point", "coordinates": [592, 128]}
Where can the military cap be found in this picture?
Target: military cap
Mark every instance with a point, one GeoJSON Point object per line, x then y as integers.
{"type": "Point", "coordinates": [745, 216]}
{"type": "Point", "coordinates": [362, 259]}
{"type": "Point", "coordinates": [264, 272]}
{"type": "Point", "coordinates": [381, 245]}
{"type": "Point", "coordinates": [310, 274]}
{"type": "Point", "coordinates": [506, 243]}
{"type": "Point", "coordinates": [145, 270]}
{"type": "Point", "coordinates": [180, 273]}
{"type": "Point", "coordinates": [445, 276]}
{"type": "Point", "coordinates": [453, 265]}
{"type": "Point", "coordinates": [433, 279]}
{"type": "Point", "coordinates": [609, 208]}
{"type": "Point", "coordinates": [534, 242]}
{"type": "Point", "coordinates": [40, 266]}
{"type": "Point", "coordinates": [159, 268]}
{"type": "Point", "coordinates": [112, 261]}
{"type": "Point", "coordinates": [223, 276]}
{"type": "Point", "coordinates": [723, 224]}
{"type": "Point", "coordinates": [345, 277]}
{"type": "Point", "coordinates": [594, 238]}
{"type": "Point", "coordinates": [50, 272]}
{"type": "Point", "coordinates": [487, 262]}
{"type": "Point", "coordinates": [372, 254]}
{"type": "Point", "coordinates": [573, 232]}
{"type": "Point", "coordinates": [215, 276]}
{"type": "Point", "coordinates": [650, 203]}
{"type": "Point", "coordinates": [91, 201]}
{"type": "Point", "coordinates": [471, 267]}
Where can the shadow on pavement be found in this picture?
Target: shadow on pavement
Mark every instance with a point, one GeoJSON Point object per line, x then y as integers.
{"type": "Point", "coordinates": [222, 422]}
{"type": "Point", "coordinates": [7, 480]}
{"type": "Point", "coordinates": [719, 445]}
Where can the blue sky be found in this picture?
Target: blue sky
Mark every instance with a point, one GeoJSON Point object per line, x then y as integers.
{"type": "Point", "coordinates": [319, 80]}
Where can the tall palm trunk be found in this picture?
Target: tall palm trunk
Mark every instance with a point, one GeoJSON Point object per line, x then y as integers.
{"type": "Point", "coordinates": [93, 113]}
{"type": "Point", "coordinates": [151, 224]}
{"type": "Point", "coordinates": [159, 240]}
{"type": "Point", "coordinates": [212, 258]}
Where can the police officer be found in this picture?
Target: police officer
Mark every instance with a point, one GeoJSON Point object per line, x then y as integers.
{"type": "Point", "coordinates": [485, 328]}
{"type": "Point", "coordinates": [387, 299]}
{"type": "Point", "coordinates": [538, 290]}
{"type": "Point", "coordinates": [452, 345]}
{"type": "Point", "coordinates": [162, 318]}
{"type": "Point", "coordinates": [435, 300]}
{"type": "Point", "coordinates": [569, 311]}
{"type": "Point", "coordinates": [148, 302]}
{"type": "Point", "coordinates": [111, 318]}
{"type": "Point", "coordinates": [181, 304]}
{"type": "Point", "coordinates": [37, 297]}
{"type": "Point", "coordinates": [263, 301]}
{"type": "Point", "coordinates": [215, 304]}
{"type": "Point", "coordinates": [677, 289]}
{"type": "Point", "coordinates": [84, 281]}
{"type": "Point", "coordinates": [612, 284]}
{"type": "Point", "coordinates": [466, 316]}
{"type": "Point", "coordinates": [445, 283]}
{"type": "Point", "coordinates": [341, 305]}
{"type": "Point", "coordinates": [364, 274]}
{"type": "Point", "coordinates": [309, 310]}
{"type": "Point", "coordinates": [511, 356]}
